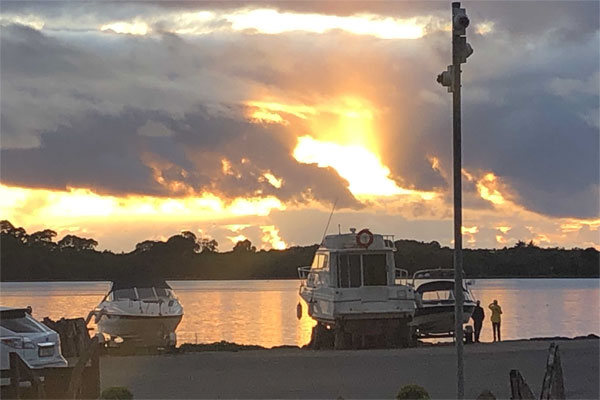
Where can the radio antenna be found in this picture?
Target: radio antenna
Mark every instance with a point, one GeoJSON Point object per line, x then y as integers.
{"type": "Point", "coordinates": [329, 220]}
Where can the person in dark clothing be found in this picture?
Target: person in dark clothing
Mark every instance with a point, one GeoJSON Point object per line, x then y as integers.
{"type": "Point", "coordinates": [477, 317]}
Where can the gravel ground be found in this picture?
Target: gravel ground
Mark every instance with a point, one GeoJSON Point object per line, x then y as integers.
{"type": "Point", "coordinates": [295, 373]}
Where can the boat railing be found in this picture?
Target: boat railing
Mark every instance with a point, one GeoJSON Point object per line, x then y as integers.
{"type": "Point", "coordinates": [401, 276]}
{"type": "Point", "coordinates": [388, 242]}
{"type": "Point", "coordinates": [313, 277]}
{"type": "Point", "coordinates": [303, 272]}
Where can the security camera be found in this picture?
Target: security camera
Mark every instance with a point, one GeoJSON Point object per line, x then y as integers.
{"type": "Point", "coordinates": [461, 21]}
{"type": "Point", "coordinates": [446, 78]}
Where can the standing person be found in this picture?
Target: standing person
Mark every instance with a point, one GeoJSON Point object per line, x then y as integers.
{"type": "Point", "coordinates": [478, 316]}
{"type": "Point", "coordinates": [496, 311]}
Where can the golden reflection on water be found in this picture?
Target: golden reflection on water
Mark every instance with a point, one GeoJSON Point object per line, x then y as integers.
{"type": "Point", "coordinates": [264, 312]}
{"type": "Point", "coordinates": [541, 307]}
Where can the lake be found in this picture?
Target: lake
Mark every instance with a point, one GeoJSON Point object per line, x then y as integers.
{"type": "Point", "coordinates": [264, 312]}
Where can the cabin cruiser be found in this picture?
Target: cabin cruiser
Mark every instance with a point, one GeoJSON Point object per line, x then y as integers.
{"type": "Point", "coordinates": [139, 313]}
{"type": "Point", "coordinates": [351, 291]}
{"type": "Point", "coordinates": [434, 316]}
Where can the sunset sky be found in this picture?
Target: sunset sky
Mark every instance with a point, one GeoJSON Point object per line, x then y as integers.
{"type": "Point", "coordinates": [134, 121]}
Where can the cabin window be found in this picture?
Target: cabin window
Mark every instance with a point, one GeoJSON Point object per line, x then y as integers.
{"type": "Point", "coordinates": [438, 295]}
{"type": "Point", "coordinates": [124, 294]}
{"type": "Point", "coordinates": [349, 274]}
{"type": "Point", "coordinates": [320, 261]}
{"type": "Point", "coordinates": [374, 270]}
{"type": "Point", "coordinates": [146, 293]}
{"type": "Point", "coordinates": [162, 292]}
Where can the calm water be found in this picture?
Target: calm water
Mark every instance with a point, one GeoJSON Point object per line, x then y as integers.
{"type": "Point", "coordinates": [264, 312]}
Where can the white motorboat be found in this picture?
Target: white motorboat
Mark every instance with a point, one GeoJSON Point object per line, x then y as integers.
{"type": "Point", "coordinates": [351, 291]}
{"type": "Point", "coordinates": [140, 313]}
{"type": "Point", "coordinates": [435, 314]}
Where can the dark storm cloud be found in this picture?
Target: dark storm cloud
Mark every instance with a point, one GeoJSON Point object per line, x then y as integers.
{"type": "Point", "coordinates": [100, 143]}
{"type": "Point", "coordinates": [105, 153]}
{"type": "Point", "coordinates": [536, 135]}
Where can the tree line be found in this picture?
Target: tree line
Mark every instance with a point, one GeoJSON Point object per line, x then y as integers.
{"type": "Point", "coordinates": [38, 257]}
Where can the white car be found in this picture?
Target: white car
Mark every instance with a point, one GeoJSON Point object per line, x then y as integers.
{"type": "Point", "coordinates": [38, 345]}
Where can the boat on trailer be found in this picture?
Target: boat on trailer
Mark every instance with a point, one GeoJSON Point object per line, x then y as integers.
{"type": "Point", "coordinates": [143, 314]}
{"type": "Point", "coordinates": [352, 293]}
{"type": "Point", "coordinates": [434, 316]}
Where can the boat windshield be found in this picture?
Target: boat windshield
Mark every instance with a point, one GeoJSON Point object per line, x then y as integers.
{"type": "Point", "coordinates": [124, 294]}
{"type": "Point", "coordinates": [146, 293]}
{"type": "Point", "coordinates": [440, 291]}
{"type": "Point", "coordinates": [164, 292]}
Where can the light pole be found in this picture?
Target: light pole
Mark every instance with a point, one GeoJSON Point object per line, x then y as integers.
{"type": "Point", "coordinates": [451, 79]}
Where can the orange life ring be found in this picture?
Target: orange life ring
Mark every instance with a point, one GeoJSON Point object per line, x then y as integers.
{"type": "Point", "coordinates": [360, 242]}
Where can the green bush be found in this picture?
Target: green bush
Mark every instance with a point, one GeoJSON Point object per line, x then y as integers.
{"type": "Point", "coordinates": [412, 392]}
{"type": "Point", "coordinates": [116, 393]}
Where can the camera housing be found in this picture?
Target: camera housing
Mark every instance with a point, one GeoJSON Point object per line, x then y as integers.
{"type": "Point", "coordinates": [460, 21]}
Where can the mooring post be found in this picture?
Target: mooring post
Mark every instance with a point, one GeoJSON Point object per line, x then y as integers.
{"type": "Point", "coordinates": [519, 389]}
{"type": "Point", "coordinates": [553, 386]}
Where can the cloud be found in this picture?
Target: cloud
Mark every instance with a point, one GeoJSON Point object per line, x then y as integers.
{"type": "Point", "coordinates": [158, 114]}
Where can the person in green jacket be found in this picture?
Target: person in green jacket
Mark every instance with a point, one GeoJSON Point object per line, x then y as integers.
{"type": "Point", "coordinates": [496, 311]}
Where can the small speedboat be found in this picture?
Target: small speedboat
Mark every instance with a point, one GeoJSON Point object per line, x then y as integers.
{"type": "Point", "coordinates": [435, 314]}
{"type": "Point", "coordinates": [140, 313]}
{"type": "Point", "coordinates": [351, 292]}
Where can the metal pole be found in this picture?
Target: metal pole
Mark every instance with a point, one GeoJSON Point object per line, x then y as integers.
{"type": "Point", "coordinates": [458, 260]}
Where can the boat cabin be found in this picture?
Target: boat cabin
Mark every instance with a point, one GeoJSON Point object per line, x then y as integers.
{"type": "Point", "coordinates": [343, 261]}
{"type": "Point", "coordinates": [141, 291]}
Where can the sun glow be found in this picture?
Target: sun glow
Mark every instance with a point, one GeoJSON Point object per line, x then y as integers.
{"type": "Point", "coordinates": [271, 21]}
{"type": "Point", "coordinates": [271, 237]}
{"type": "Point", "coordinates": [33, 204]}
{"type": "Point", "coordinates": [488, 189]}
{"type": "Point", "coordinates": [131, 28]}
{"type": "Point", "coordinates": [361, 168]}
{"type": "Point", "coordinates": [574, 225]}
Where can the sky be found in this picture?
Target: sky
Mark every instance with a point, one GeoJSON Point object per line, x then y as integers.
{"type": "Point", "coordinates": [254, 120]}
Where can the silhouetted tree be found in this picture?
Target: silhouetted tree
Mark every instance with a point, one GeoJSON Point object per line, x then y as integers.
{"type": "Point", "coordinates": [520, 244]}
{"type": "Point", "coordinates": [42, 238]}
{"type": "Point", "coordinates": [244, 246]}
{"type": "Point", "coordinates": [209, 245]}
{"type": "Point", "coordinates": [77, 243]}
{"type": "Point", "coordinates": [185, 242]}
{"type": "Point", "coordinates": [146, 245]}
{"type": "Point", "coordinates": [18, 233]}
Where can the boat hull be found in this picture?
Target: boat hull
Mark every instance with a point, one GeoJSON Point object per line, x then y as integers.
{"type": "Point", "coordinates": [142, 330]}
{"type": "Point", "coordinates": [328, 305]}
{"type": "Point", "coordinates": [438, 320]}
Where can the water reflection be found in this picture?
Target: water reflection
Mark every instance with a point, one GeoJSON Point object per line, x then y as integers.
{"type": "Point", "coordinates": [541, 307]}
{"type": "Point", "coordinates": [264, 312]}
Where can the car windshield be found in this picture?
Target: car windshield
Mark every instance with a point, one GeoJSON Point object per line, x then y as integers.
{"type": "Point", "coordinates": [20, 324]}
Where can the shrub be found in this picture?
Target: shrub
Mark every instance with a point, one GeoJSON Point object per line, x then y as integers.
{"type": "Point", "coordinates": [116, 393]}
{"type": "Point", "coordinates": [412, 392]}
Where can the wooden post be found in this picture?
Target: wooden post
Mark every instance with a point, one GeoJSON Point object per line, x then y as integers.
{"type": "Point", "coordinates": [553, 384]}
{"type": "Point", "coordinates": [19, 368]}
{"type": "Point", "coordinates": [518, 387]}
{"type": "Point", "coordinates": [76, 375]}
{"type": "Point", "coordinates": [15, 374]}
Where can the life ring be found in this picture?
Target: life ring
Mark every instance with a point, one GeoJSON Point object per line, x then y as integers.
{"type": "Point", "coordinates": [360, 238]}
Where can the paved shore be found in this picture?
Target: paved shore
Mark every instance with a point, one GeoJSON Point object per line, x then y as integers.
{"type": "Point", "coordinates": [294, 373]}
